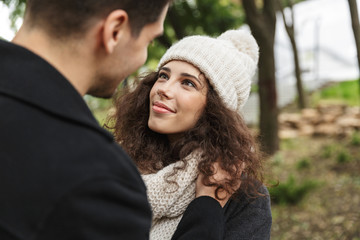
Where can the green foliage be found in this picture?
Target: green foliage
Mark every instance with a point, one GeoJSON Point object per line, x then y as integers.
{"type": "Point", "coordinates": [195, 17]}
{"type": "Point", "coordinates": [343, 156]}
{"type": "Point", "coordinates": [277, 159]}
{"type": "Point", "coordinates": [303, 163]}
{"type": "Point", "coordinates": [97, 103]}
{"type": "Point", "coordinates": [355, 139]}
{"type": "Point", "coordinates": [291, 192]}
{"type": "Point", "coordinates": [339, 154]}
{"type": "Point", "coordinates": [211, 17]}
{"type": "Point", "coordinates": [100, 107]}
{"type": "Point", "coordinates": [254, 88]}
{"type": "Point", "coordinates": [155, 52]}
{"type": "Point", "coordinates": [328, 151]}
{"type": "Point", "coordinates": [17, 10]}
{"type": "Point", "coordinates": [289, 143]}
{"type": "Point", "coordinates": [346, 92]}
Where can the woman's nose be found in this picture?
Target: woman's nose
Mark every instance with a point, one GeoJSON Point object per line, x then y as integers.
{"type": "Point", "coordinates": [166, 90]}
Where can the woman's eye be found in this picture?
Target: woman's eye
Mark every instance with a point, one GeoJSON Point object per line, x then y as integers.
{"type": "Point", "coordinates": [163, 76]}
{"type": "Point", "coordinates": [189, 83]}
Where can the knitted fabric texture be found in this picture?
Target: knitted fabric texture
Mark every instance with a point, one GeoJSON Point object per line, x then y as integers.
{"type": "Point", "coordinates": [229, 62]}
{"type": "Point", "coordinates": [169, 195]}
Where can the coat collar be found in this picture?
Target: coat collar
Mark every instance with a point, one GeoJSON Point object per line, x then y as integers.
{"type": "Point", "coordinates": [29, 78]}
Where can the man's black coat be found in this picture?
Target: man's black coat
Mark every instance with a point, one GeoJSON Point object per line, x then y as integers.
{"type": "Point", "coordinates": [61, 175]}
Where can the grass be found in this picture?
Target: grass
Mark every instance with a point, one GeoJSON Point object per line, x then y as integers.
{"type": "Point", "coordinates": [355, 139]}
{"type": "Point", "coordinates": [329, 150]}
{"type": "Point", "coordinates": [342, 92]}
{"type": "Point", "coordinates": [343, 156]}
{"type": "Point", "coordinates": [318, 195]}
{"type": "Point", "coordinates": [304, 163]}
{"type": "Point", "coordinates": [291, 191]}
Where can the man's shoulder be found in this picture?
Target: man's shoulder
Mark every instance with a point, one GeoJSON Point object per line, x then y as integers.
{"type": "Point", "coordinates": [49, 146]}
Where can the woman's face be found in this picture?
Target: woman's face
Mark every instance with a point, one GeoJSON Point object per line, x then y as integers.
{"type": "Point", "coordinates": [177, 99]}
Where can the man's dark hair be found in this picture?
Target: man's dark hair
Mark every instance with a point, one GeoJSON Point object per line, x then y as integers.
{"type": "Point", "coordinates": [64, 18]}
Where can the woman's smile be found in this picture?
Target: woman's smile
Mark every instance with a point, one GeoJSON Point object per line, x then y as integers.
{"type": "Point", "coordinates": [159, 107]}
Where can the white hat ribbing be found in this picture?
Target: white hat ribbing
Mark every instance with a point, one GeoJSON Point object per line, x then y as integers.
{"type": "Point", "coordinates": [229, 62]}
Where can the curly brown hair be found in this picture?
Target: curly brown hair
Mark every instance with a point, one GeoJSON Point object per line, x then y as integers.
{"type": "Point", "coordinates": [220, 133]}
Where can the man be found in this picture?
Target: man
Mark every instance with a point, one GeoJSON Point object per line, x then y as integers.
{"type": "Point", "coordinates": [61, 175]}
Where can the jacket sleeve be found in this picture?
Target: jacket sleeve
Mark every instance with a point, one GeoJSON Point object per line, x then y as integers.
{"type": "Point", "coordinates": [103, 209]}
{"type": "Point", "coordinates": [248, 218]}
{"type": "Point", "coordinates": [203, 219]}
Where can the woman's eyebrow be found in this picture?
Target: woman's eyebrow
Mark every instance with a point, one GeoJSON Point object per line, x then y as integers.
{"type": "Point", "coordinates": [166, 69]}
{"type": "Point", "coordinates": [191, 76]}
{"type": "Point", "coordinates": [182, 74]}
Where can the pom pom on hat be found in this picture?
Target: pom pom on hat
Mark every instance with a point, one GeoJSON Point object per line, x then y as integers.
{"type": "Point", "coordinates": [243, 41]}
{"type": "Point", "coordinates": [229, 62]}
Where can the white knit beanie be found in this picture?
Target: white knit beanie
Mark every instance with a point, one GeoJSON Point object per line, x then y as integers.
{"type": "Point", "coordinates": [229, 62]}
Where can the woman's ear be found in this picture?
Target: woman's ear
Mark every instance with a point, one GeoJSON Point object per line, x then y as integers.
{"type": "Point", "coordinates": [116, 28]}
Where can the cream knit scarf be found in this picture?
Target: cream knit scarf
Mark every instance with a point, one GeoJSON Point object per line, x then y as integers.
{"type": "Point", "coordinates": [169, 200]}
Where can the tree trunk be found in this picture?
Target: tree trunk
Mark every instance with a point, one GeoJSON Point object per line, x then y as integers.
{"type": "Point", "coordinates": [262, 24]}
{"type": "Point", "coordinates": [290, 30]}
{"type": "Point", "coordinates": [356, 30]}
{"type": "Point", "coordinates": [299, 84]}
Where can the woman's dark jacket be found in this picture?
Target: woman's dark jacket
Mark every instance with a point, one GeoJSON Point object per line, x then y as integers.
{"type": "Point", "coordinates": [248, 218]}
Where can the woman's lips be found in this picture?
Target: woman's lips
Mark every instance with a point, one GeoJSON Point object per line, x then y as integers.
{"type": "Point", "coordinates": [161, 108]}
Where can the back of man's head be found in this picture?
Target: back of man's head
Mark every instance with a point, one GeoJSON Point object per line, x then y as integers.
{"type": "Point", "coordinates": [69, 18]}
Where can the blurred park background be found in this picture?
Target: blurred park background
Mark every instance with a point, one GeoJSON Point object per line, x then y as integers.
{"type": "Point", "coordinates": [304, 105]}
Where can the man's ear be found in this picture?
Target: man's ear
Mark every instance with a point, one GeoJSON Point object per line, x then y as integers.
{"type": "Point", "coordinates": [116, 27]}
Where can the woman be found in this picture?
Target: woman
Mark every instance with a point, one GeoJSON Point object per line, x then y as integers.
{"type": "Point", "coordinates": [182, 124]}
